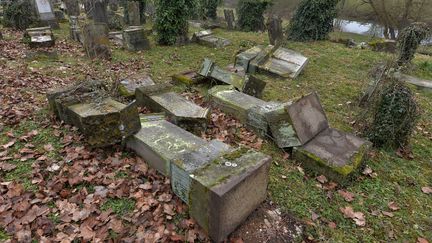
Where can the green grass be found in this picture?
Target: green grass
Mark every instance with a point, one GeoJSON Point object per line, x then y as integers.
{"type": "Point", "coordinates": [339, 74]}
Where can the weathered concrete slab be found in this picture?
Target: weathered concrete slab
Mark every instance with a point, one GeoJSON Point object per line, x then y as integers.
{"type": "Point", "coordinates": [40, 37]}
{"type": "Point", "coordinates": [333, 153]}
{"type": "Point", "coordinates": [246, 84]}
{"type": "Point", "coordinates": [184, 165]}
{"type": "Point", "coordinates": [308, 117]}
{"type": "Point", "coordinates": [128, 86]}
{"type": "Point", "coordinates": [135, 39]}
{"type": "Point", "coordinates": [243, 59]}
{"type": "Point", "coordinates": [159, 142]}
{"type": "Point", "coordinates": [227, 190]}
{"type": "Point", "coordinates": [206, 37]}
{"type": "Point", "coordinates": [106, 122]}
{"type": "Point", "coordinates": [178, 109]}
{"type": "Point", "coordinates": [422, 84]}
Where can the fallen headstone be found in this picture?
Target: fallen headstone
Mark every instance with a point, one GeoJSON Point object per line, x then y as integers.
{"type": "Point", "coordinates": [187, 77]}
{"type": "Point", "coordinates": [206, 37]}
{"type": "Point", "coordinates": [135, 39]}
{"type": "Point", "coordinates": [419, 83]}
{"type": "Point", "coordinates": [105, 122]}
{"type": "Point", "coordinates": [178, 109]}
{"type": "Point", "coordinates": [229, 18]}
{"type": "Point", "coordinates": [96, 42]}
{"type": "Point", "coordinates": [336, 154]}
{"type": "Point", "coordinates": [275, 60]}
{"type": "Point", "coordinates": [128, 86]}
{"type": "Point", "coordinates": [247, 84]}
{"type": "Point", "coordinates": [45, 13]}
{"type": "Point", "coordinates": [275, 30]}
{"type": "Point", "coordinates": [40, 37]}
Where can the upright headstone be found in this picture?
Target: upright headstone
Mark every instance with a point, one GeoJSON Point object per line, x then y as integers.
{"type": "Point", "coordinates": [135, 39]}
{"type": "Point", "coordinates": [275, 30]}
{"type": "Point", "coordinates": [229, 18]}
{"type": "Point", "coordinates": [96, 42]}
{"type": "Point", "coordinates": [75, 32]}
{"type": "Point", "coordinates": [45, 12]}
{"type": "Point", "coordinates": [133, 13]}
{"type": "Point", "coordinates": [100, 12]}
{"type": "Point", "coordinates": [72, 7]}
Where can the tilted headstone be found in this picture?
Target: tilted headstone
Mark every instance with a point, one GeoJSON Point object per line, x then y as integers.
{"type": "Point", "coordinates": [133, 13]}
{"type": "Point", "coordinates": [178, 109]}
{"type": "Point", "coordinates": [40, 37]}
{"type": "Point", "coordinates": [45, 11]}
{"type": "Point", "coordinates": [275, 30]}
{"type": "Point", "coordinates": [128, 86]}
{"type": "Point", "coordinates": [135, 39]}
{"type": "Point", "coordinates": [206, 37]}
{"type": "Point", "coordinates": [336, 154]}
{"type": "Point", "coordinates": [100, 14]}
{"type": "Point", "coordinates": [72, 7]}
{"type": "Point", "coordinates": [96, 42]}
{"type": "Point", "coordinates": [105, 122]}
{"type": "Point", "coordinates": [246, 84]}
{"type": "Point", "coordinates": [229, 18]}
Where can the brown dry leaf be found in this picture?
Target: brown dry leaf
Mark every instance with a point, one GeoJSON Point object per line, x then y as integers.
{"type": "Point", "coordinates": [322, 179]}
{"type": "Point", "coordinates": [48, 147]}
{"type": "Point", "coordinates": [348, 196]}
{"type": "Point", "coordinates": [388, 214]}
{"type": "Point", "coordinates": [422, 240]}
{"type": "Point", "coordinates": [14, 190]}
{"type": "Point", "coordinates": [10, 144]}
{"type": "Point", "coordinates": [6, 166]}
{"type": "Point", "coordinates": [427, 190]}
{"type": "Point", "coordinates": [393, 206]}
{"type": "Point", "coordinates": [314, 216]}
{"type": "Point", "coordinates": [116, 225]}
{"type": "Point", "coordinates": [358, 217]}
{"type": "Point", "coordinates": [332, 225]}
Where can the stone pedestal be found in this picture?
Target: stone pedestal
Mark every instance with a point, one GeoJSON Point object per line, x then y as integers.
{"type": "Point", "coordinates": [135, 39]}
{"type": "Point", "coordinates": [207, 38]}
{"type": "Point", "coordinates": [40, 37]}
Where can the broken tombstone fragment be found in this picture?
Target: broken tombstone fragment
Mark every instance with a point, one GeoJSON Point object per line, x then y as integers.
{"type": "Point", "coordinates": [247, 84]}
{"type": "Point", "coordinates": [336, 154]}
{"type": "Point", "coordinates": [135, 39]}
{"type": "Point", "coordinates": [178, 109]}
{"type": "Point", "coordinates": [206, 37]}
{"type": "Point", "coordinates": [106, 122]}
{"type": "Point", "coordinates": [187, 77]}
{"type": "Point", "coordinates": [128, 86]}
{"type": "Point", "coordinates": [40, 37]}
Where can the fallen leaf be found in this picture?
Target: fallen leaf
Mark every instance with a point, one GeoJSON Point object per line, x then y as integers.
{"type": "Point", "coordinates": [388, 214]}
{"type": "Point", "coordinates": [332, 225]}
{"type": "Point", "coordinates": [10, 144]}
{"type": "Point", "coordinates": [393, 206]}
{"type": "Point", "coordinates": [6, 166]}
{"type": "Point", "coordinates": [422, 240]}
{"type": "Point", "coordinates": [322, 179]}
{"type": "Point", "coordinates": [358, 217]}
{"type": "Point", "coordinates": [348, 196]}
{"type": "Point", "coordinates": [48, 147]}
{"type": "Point", "coordinates": [427, 190]}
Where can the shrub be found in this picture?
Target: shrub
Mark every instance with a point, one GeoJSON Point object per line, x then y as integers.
{"type": "Point", "coordinates": [19, 15]}
{"type": "Point", "coordinates": [211, 8]}
{"type": "Point", "coordinates": [395, 116]}
{"type": "Point", "coordinates": [196, 9]}
{"type": "Point", "coordinates": [251, 14]}
{"type": "Point", "coordinates": [409, 40]}
{"type": "Point", "coordinates": [171, 21]}
{"type": "Point", "coordinates": [313, 20]}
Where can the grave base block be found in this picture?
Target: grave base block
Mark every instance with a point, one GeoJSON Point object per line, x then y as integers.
{"type": "Point", "coordinates": [335, 154]}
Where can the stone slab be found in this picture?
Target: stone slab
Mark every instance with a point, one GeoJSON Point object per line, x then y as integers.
{"type": "Point", "coordinates": [243, 59]}
{"type": "Point", "coordinates": [285, 63]}
{"type": "Point", "coordinates": [422, 84]}
{"type": "Point", "coordinates": [308, 117]}
{"type": "Point", "coordinates": [187, 77]}
{"type": "Point", "coordinates": [206, 37]}
{"type": "Point", "coordinates": [40, 37]}
{"type": "Point", "coordinates": [227, 190]}
{"type": "Point", "coordinates": [128, 86]}
{"type": "Point", "coordinates": [159, 142]}
{"type": "Point", "coordinates": [106, 122]}
{"type": "Point", "coordinates": [134, 39]}
{"type": "Point", "coordinates": [336, 154]}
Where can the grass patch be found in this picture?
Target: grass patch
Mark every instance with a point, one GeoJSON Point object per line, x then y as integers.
{"type": "Point", "coordinates": [119, 206]}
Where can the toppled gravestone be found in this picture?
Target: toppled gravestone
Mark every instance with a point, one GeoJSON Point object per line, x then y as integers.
{"type": "Point", "coordinates": [422, 84]}
{"type": "Point", "coordinates": [248, 84]}
{"type": "Point", "coordinates": [187, 77]}
{"type": "Point", "coordinates": [96, 42]}
{"type": "Point", "coordinates": [221, 185]}
{"type": "Point", "coordinates": [206, 37]}
{"type": "Point", "coordinates": [336, 154]}
{"type": "Point", "coordinates": [40, 37]}
{"type": "Point", "coordinates": [272, 59]}
{"type": "Point", "coordinates": [384, 46]}
{"type": "Point", "coordinates": [178, 109]}
{"type": "Point", "coordinates": [128, 86]}
{"type": "Point", "coordinates": [266, 119]}
{"type": "Point", "coordinates": [106, 122]}
{"type": "Point", "coordinates": [135, 39]}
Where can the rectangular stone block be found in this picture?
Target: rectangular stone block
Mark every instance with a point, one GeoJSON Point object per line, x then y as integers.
{"type": "Point", "coordinates": [187, 77]}
{"type": "Point", "coordinates": [159, 142]}
{"type": "Point", "coordinates": [128, 86]}
{"type": "Point", "coordinates": [227, 190]}
{"type": "Point", "coordinates": [206, 37]}
{"type": "Point", "coordinates": [40, 37]}
{"type": "Point", "coordinates": [135, 39]}
{"type": "Point", "coordinates": [244, 59]}
{"type": "Point", "coordinates": [335, 154]}
{"type": "Point", "coordinates": [285, 63]}
{"type": "Point", "coordinates": [106, 122]}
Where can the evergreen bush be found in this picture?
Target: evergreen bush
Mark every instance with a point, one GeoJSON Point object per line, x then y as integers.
{"type": "Point", "coordinates": [211, 8]}
{"type": "Point", "coordinates": [409, 40]}
{"type": "Point", "coordinates": [313, 20]}
{"type": "Point", "coordinates": [19, 14]}
{"type": "Point", "coordinates": [251, 14]}
{"type": "Point", "coordinates": [171, 21]}
{"type": "Point", "coordinates": [395, 117]}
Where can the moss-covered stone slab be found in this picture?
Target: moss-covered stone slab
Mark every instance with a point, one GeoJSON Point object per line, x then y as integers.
{"type": "Point", "coordinates": [335, 154]}
{"type": "Point", "coordinates": [233, 102]}
{"type": "Point", "coordinates": [308, 117]}
{"type": "Point", "coordinates": [105, 122]}
{"type": "Point", "coordinates": [227, 190]}
{"type": "Point", "coordinates": [40, 37]}
{"type": "Point", "coordinates": [159, 142]}
{"type": "Point", "coordinates": [178, 109]}
{"type": "Point", "coordinates": [187, 77]}
{"type": "Point", "coordinates": [128, 86]}
{"type": "Point", "coordinates": [250, 85]}
{"type": "Point", "coordinates": [285, 63]}
{"type": "Point", "coordinates": [187, 163]}
{"type": "Point", "coordinates": [243, 59]}
{"type": "Point", "coordinates": [206, 37]}
{"type": "Point", "coordinates": [135, 39]}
